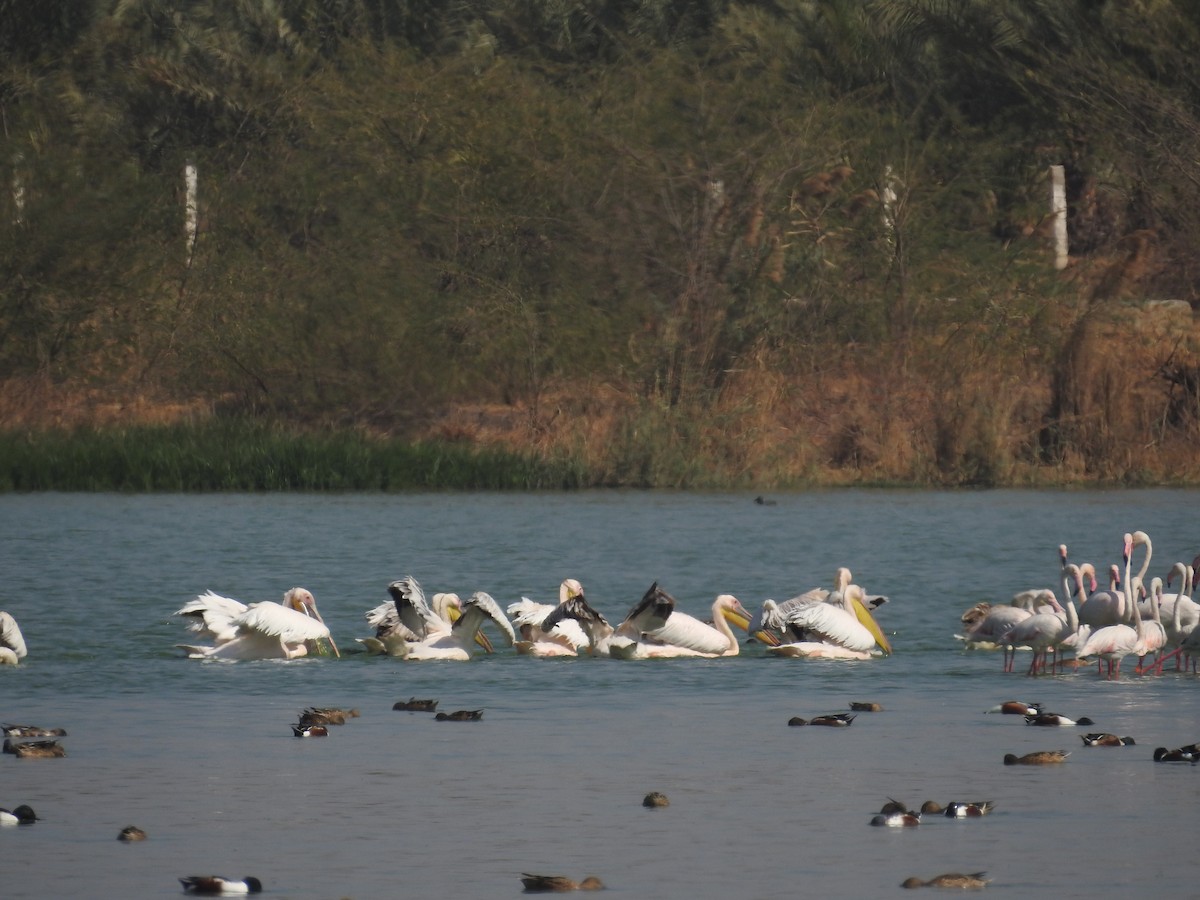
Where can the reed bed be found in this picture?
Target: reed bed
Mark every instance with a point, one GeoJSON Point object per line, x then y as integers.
{"type": "Point", "coordinates": [245, 456]}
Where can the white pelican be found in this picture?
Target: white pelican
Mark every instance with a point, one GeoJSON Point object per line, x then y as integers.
{"type": "Point", "coordinates": [407, 618]}
{"type": "Point", "coordinates": [452, 644]}
{"type": "Point", "coordinates": [267, 630]}
{"type": "Point", "coordinates": [564, 636]}
{"type": "Point", "coordinates": [664, 632]}
{"type": "Point", "coordinates": [12, 644]}
{"type": "Point", "coordinates": [841, 630]}
{"type": "Point", "coordinates": [784, 618]}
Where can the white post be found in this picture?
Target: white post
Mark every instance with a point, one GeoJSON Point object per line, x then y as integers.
{"type": "Point", "coordinates": [191, 209]}
{"type": "Point", "coordinates": [1058, 214]}
{"type": "Point", "coordinates": [18, 191]}
{"type": "Point", "coordinates": [888, 198]}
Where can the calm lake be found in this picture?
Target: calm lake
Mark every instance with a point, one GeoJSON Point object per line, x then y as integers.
{"type": "Point", "coordinates": [200, 754]}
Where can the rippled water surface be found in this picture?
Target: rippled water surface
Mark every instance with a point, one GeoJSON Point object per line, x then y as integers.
{"type": "Point", "coordinates": [200, 754]}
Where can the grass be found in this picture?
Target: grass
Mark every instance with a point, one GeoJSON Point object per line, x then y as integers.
{"type": "Point", "coordinates": [246, 456]}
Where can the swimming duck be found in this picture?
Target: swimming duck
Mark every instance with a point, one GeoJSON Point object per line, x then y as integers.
{"type": "Point", "coordinates": [543, 883]}
{"type": "Point", "coordinates": [1179, 754]}
{"type": "Point", "coordinates": [414, 705]}
{"type": "Point", "coordinates": [310, 730]}
{"type": "Point", "coordinates": [865, 706]}
{"type": "Point", "coordinates": [327, 716]}
{"type": "Point", "coordinates": [1042, 718]}
{"type": "Point", "coordinates": [960, 810]}
{"type": "Point", "coordinates": [217, 884]}
{"type": "Point", "coordinates": [1037, 758]}
{"type": "Point", "coordinates": [460, 715]}
{"type": "Point", "coordinates": [895, 806]}
{"type": "Point", "coordinates": [1099, 739]}
{"type": "Point", "coordinates": [948, 880]}
{"type": "Point", "coordinates": [897, 819]}
{"type": "Point", "coordinates": [1016, 708]}
{"type": "Point", "coordinates": [22, 815]}
{"type": "Point", "coordinates": [31, 731]}
{"type": "Point", "coordinates": [131, 833]}
{"type": "Point", "coordinates": [834, 720]}
{"type": "Point", "coordinates": [34, 749]}
{"type": "Point", "coordinates": [655, 799]}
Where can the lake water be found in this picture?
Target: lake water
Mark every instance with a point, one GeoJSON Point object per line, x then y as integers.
{"type": "Point", "coordinates": [201, 755]}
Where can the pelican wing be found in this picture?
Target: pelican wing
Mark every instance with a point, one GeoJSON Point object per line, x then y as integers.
{"type": "Point", "coordinates": [650, 613]}
{"type": "Point", "coordinates": [212, 615]}
{"type": "Point", "coordinates": [689, 633]}
{"type": "Point", "coordinates": [478, 609]}
{"type": "Point", "coordinates": [564, 628]}
{"type": "Point", "coordinates": [413, 609]}
{"type": "Point", "coordinates": [835, 625]}
{"type": "Point", "coordinates": [276, 621]}
{"type": "Point", "coordinates": [529, 612]}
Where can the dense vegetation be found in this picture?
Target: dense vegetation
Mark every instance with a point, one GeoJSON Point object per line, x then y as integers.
{"type": "Point", "coordinates": [675, 243]}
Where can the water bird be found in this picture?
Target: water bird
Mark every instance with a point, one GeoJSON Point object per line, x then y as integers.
{"type": "Point", "coordinates": [897, 819]}
{"type": "Point", "coordinates": [406, 618]}
{"type": "Point", "coordinates": [327, 716]}
{"type": "Point", "coordinates": [22, 815]}
{"type": "Point", "coordinates": [823, 624]}
{"type": "Point", "coordinates": [303, 731]}
{"type": "Point", "coordinates": [1016, 708]}
{"type": "Point", "coordinates": [1037, 758]}
{"type": "Point", "coordinates": [1103, 739]}
{"type": "Point", "coordinates": [663, 632]}
{"type": "Point", "coordinates": [452, 643]}
{"type": "Point", "coordinates": [958, 809]}
{"type": "Point", "coordinates": [547, 883]}
{"type": "Point", "coordinates": [218, 884]}
{"type": "Point", "coordinates": [266, 630]}
{"type": "Point", "coordinates": [460, 715]}
{"type": "Point", "coordinates": [949, 880]}
{"type": "Point", "coordinates": [12, 643]}
{"type": "Point", "coordinates": [32, 731]}
{"type": "Point", "coordinates": [547, 630]}
{"type": "Point", "coordinates": [1179, 754]}
{"type": "Point", "coordinates": [833, 720]}
{"type": "Point", "coordinates": [34, 749]}
{"type": "Point", "coordinates": [865, 706]}
{"type": "Point", "coordinates": [893, 806]}
{"type": "Point", "coordinates": [412, 704]}
{"type": "Point", "coordinates": [1052, 719]}
{"type": "Point", "coordinates": [763, 501]}
{"type": "Point", "coordinates": [131, 833]}
{"type": "Point", "coordinates": [655, 799]}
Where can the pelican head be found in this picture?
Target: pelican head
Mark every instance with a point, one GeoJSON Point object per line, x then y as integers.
{"type": "Point", "coordinates": [733, 611]}
{"type": "Point", "coordinates": [570, 589]}
{"type": "Point", "coordinates": [302, 601]}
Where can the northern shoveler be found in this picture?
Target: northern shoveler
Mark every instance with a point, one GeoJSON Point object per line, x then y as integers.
{"type": "Point", "coordinates": [22, 815]}
{"type": "Point", "coordinates": [1101, 739]}
{"type": "Point", "coordinates": [1037, 758]}
{"type": "Point", "coordinates": [414, 705]}
{"type": "Point", "coordinates": [302, 731]}
{"type": "Point", "coordinates": [217, 884]}
{"type": "Point", "coordinates": [131, 833]}
{"type": "Point", "coordinates": [834, 720]}
{"type": "Point", "coordinates": [546, 883]}
{"type": "Point", "coordinates": [1016, 708]}
{"type": "Point", "coordinates": [655, 799]}
{"type": "Point", "coordinates": [34, 749]}
{"type": "Point", "coordinates": [460, 715]}
{"type": "Point", "coordinates": [865, 706]}
{"type": "Point", "coordinates": [1056, 719]}
{"type": "Point", "coordinates": [897, 819]}
{"type": "Point", "coordinates": [948, 880]}
{"type": "Point", "coordinates": [326, 716]}
{"type": "Point", "coordinates": [1179, 754]}
{"type": "Point", "coordinates": [32, 731]}
{"type": "Point", "coordinates": [959, 810]}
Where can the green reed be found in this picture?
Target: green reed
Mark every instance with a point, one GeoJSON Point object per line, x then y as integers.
{"type": "Point", "coordinates": [249, 456]}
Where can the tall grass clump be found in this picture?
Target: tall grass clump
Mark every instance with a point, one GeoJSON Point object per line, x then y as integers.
{"type": "Point", "coordinates": [247, 456]}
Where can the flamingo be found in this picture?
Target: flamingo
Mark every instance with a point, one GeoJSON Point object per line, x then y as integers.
{"type": "Point", "coordinates": [286, 630]}
{"type": "Point", "coordinates": [1113, 643]}
{"type": "Point", "coordinates": [1182, 630]}
{"type": "Point", "coordinates": [1044, 632]}
{"type": "Point", "coordinates": [12, 643]}
{"type": "Point", "coordinates": [1111, 607]}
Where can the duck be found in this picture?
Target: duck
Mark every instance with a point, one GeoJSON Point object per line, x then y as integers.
{"type": "Point", "coordinates": [833, 720]}
{"type": "Point", "coordinates": [898, 819]}
{"type": "Point", "coordinates": [32, 731]}
{"type": "Point", "coordinates": [1103, 739]}
{"type": "Point", "coordinates": [865, 706]}
{"type": "Point", "coordinates": [1037, 758]}
{"type": "Point", "coordinates": [131, 833]}
{"type": "Point", "coordinates": [22, 815]}
{"type": "Point", "coordinates": [957, 809]}
{"type": "Point", "coordinates": [303, 731]}
{"type": "Point", "coordinates": [893, 806]}
{"type": "Point", "coordinates": [1056, 719]}
{"type": "Point", "coordinates": [35, 749]}
{"type": "Point", "coordinates": [1016, 708]}
{"type": "Point", "coordinates": [412, 704]}
{"type": "Point", "coordinates": [547, 883]}
{"type": "Point", "coordinates": [655, 800]}
{"type": "Point", "coordinates": [218, 884]}
{"type": "Point", "coordinates": [948, 880]}
{"type": "Point", "coordinates": [1179, 754]}
{"type": "Point", "coordinates": [460, 715]}
{"type": "Point", "coordinates": [326, 716]}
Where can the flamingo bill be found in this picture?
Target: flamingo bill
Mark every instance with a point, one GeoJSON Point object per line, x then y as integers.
{"type": "Point", "coordinates": [868, 621]}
